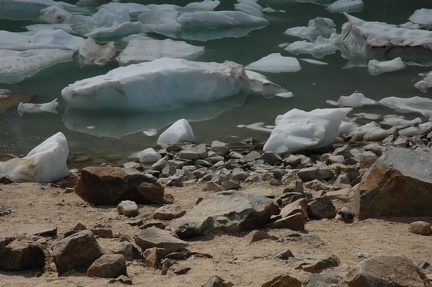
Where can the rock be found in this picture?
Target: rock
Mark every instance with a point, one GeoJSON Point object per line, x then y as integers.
{"type": "Point", "coordinates": [121, 279]}
{"type": "Point", "coordinates": [320, 208]}
{"type": "Point", "coordinates": [103, 185]}
{"type": "Point", "coordinates": [219, 148]}
{"type": "Point", "coordinates": [284, 280]}
{"type": "Point", "coordinates": [385, 271]}
{"type": "Point", "coordinates": [180, 131]}
{"type": "Point", "coordinates": [345, 214]}
{"type": "Point", "coordinates": [420, 227]}
{"type": "Point", "coordinates": [229, 211]}
{"type": "Point", "coordinates": [322, 280]}
{"type": "Point", "coordinates": [293, 183]}
{"type": "Point", "coordinates": [76, 252]}
{"type": "Point", "coordinates": [128, 250]}
{"type": "Point", "coordinates": [4, 210]}
{"type": "Point", "coordinates": [108, 266]}
{"type": "Point", "coordinates": [345, 151]}
{"type": "Point", "coordinates": [230, 185]}
{"type": "Point", "coordinates": [292, 160]}
{"type": "Point", "coordinates": [342, 181]}
{"type": "Point", "coordinates": [298, 206]}
{"type": "Point", "coordinates": [311, 173]}
{"type": "Point", "coordinates": [212, 186]}
{"type": "Point", "coordinates": [252, 156]}
{"type": "Point", "coordinates": [153, 257]}
{"type": "Point", "coordinates": [128, 208]}
{"type": "Point", "coordinates": [216, 281]}
{"type": "Point", "coordinates": [283, 255]}
{"type": "Point", "coordinates": [148, 156]}
{"type": "Point", "coordinates": [187, 155]}
{"type": "Point", "coordinates": [102, 231]}
{"type": "Point", "coordinates": [155, 237]}
{"type": "Point", "coordinates": [294, 222]}
{"type": "Point", "coordinates": [20, 254]}
{"type": "Point", "coordinates": [314, 263]}
{"type": "Point", "coordinates": [169, 212]}
{"type": "Point", "coordinates": [79, 227]}
{"type": "Point", "coordinates": [160, 164]}
{"type": "Point", "coordinates": [387, 188]}
{"type": "Point", "coordinates": [289, 197]}
{"type": "Point", "coordinates": [271, 158]}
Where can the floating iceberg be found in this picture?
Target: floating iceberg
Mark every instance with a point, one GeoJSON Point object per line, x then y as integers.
{"type": "Point", "coordinates": [275, 63]}
{"type": "Point", "coordinates": [219, 19]}
{"type": "Point", "coordinates": [376, 67]}
{"type": "Point", "coordinates": [15, 66]}
{"type": "Point", "coordinates": [348, 6]}
{"type": "Point", "coordinates": [355, 100]}
{"type": "Point", "coordinates": [44, 163]}
{"type": "Point", "coordinates": [144, 49]}
{"type": "Point", "coordinates": [319, 26]}
{"type": "Point", "coordinates": [161, 84]}
{"type": "Point", "coordinates": [91, 53]}
{"type": "Point", "coordinates": [409, 105]}
{"type": "Point", "coordinates": [260, 84]}
{"type": "Point", "coordinates": [180, 131]}
{"type": "Point", "coordinates": [424, 84]}
{"type": "Point", "coordinates": [300, 130]}
{"type": "Point", "coordinates": [31, 108]}
{"type": "Point", "coordinates": [318, 49]}
{"type": "Point", "coordinates": [422, 17]}
{"type": "Point", "coordinates": [250, 7]}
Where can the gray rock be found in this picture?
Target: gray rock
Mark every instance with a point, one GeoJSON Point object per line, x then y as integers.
{"type": "Point", "coordinates": [103, 185]}
{"type": "Point", "coordinates": [128, 250]}
{"type": "Point", "coordinates": [128, 208]}
{"type": "Point", "coordinates": [257, 235]}
{"type": "Point", "coordinates": [153, 257]}
{"type": "Point", "coordinates": [322, 280]}
{"type": "Point", "coordinates": [293, 183]}
{"type": "Point", "coordinates": [271, 158]}
{"type": "Point", "coordinates": [20, 254]}
{"type": "Point", "coordinates": [344, 151]}
{"type": "Point", "coordinates": [386, 271]}
{"type": "Point", "coordinates": [169, 212]}
{"type": "Point", "coordinates": [252, 156]}
{"type": "Point", "coordinates": [298, 206]}
{"type": "Point", "coordinates": [314, 263]}
{"type": "Point", "coordinates": [216, 281]}
{"type": "Point", "coordinates": [292, 160]}
{"type": "Point", "coordinates": [283, 255]}
{"type": "Point", "coordinates": [317, 185]}
{"type": "Point", "coordinates": [342, 181]}
{"type": "Point", "coordinates": [230, 185]}
{"type": "Point", "coordinates": [108, 266]}
{"type": "Point", "coordinates": [284, 280]}
{"type": "Point", "coordinates": [311, 173]}
{"type": "Point", "coordinates": [219, 148]}
{"type": "Point", "coordinates": [336, 159]}
{"type": "Point", "coordinates": [345, 214]}
{"type": "Point", "coordinates": [229, 211]}
{"type": "Point", "coordinates": [387, 188]}
{"type": "Point", "coordinates": [160, 164]}
{"type": "Point", "coordinates": [187, 155]}
{"type": "Point", "coordinates": [155, 237]}
{"type": "Point", "coordinates": [294, 222]}
{"type": "Point", "coordinates": [320, 208]}
{"type": "Point", "coordinates": [420, 227]}
{"type": "Point", "coordinates": [4, 210]}
{"type": "Point", "coordinates": [76, 252]}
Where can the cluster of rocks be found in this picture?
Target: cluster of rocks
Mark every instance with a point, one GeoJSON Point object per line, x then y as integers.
{"type": "Point", "coordinates": [369, 175]}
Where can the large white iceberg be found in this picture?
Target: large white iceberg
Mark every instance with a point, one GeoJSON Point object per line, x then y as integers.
{"type": "Point", "coordinates": [300, 130]}
{"type": "Point", "coordinates": [422, 16]}
{"type": "Point", "coordinates": [164, 83]}
{"type": "Point", "coordinates": [46, 162]}
{"type": "Point", "coordinates": [275, 63]}
{"type": "Point", "coordinates": [180, 131]}
{"type": "Point", "coordinates": [319, 26]}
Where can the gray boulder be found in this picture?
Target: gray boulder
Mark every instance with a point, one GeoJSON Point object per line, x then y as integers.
{"type": "Point", "coordinates": [103, 185]}
{"type": "Point", "coordinates": [76, 252]}
{"type": "Point", "coordinates": [320, 208]}
{"type": "Point", "coordinates": [228, 211]}
{"type": "Point", "coordinates": [385, 271]}
{"type": "Point", "coordinates": [108, 266]}
{"type": "Point", "coordinates": [398, 184]}
{"type": "Point", "coordinates": [155, 237]}
{"type": "Point", "coordinates": [20, 254]}
{"type": "Point", "coordinates": [169, 212]}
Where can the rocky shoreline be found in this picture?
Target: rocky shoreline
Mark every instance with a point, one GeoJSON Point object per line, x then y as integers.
{"type": "Point", "coordinates": [156, 214]}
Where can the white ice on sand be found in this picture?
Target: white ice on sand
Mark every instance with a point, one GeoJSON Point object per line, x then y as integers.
{"type": "Point", "coordinates": [180, 131]}
{"type": "Point", "coordinates": [409, 105]}
{"type": "Point", "coordinates": [300, 130]}
{"type": "Point", "coordinates": [355, 100]}
{"type": "Point", "coordinates": [142, 49]}
{"type": "Point", "coordinates": [319, 26]}
{"type": "Point", "coordinates": [275, 63]}
{"type": "Point", "coordinates": [15, 66]}
{"type": "Point", "coordinates": [149, 155]}
{"type": "Point", "coordinates": [46, 162]}
{"type": "Point", "coordinates": [161, 84]}
{"type": "Point", "coordinates": [348, 6]}
{"type": "Point", "coordinates": [371, 132]}
{"type": "Point", "coordinates": [425, 84]}
{"type": "Point", "coordinates": [422, 17]}
{"type": "Point", "coordinates": [31, 108]}
{"type": "Point", "coordinates": [376, 67]}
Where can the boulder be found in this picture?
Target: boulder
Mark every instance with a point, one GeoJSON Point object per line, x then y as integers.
{"type": "Point", "coordinates": [20, 254]}
{"type": "Point", "coordinates": [282, 281]}
{"type": "Point", "coordinates": [169, 212]}
{"type": "Point", "coordinates": [103, 185]}
{"type": "Point", "coordinates": [76, 252]}
{"type": "Point", "coordinates": [108, 266]}
{"type": "Point", "coordinates": [398, 184]}
{"type": "Point", "coordinates": [228, 211]}
{"type": "Point", "coordinates": [322, 280]}
{"type": "Point", "coordinates": [128, 208]}
{"type": "Point", "coordinates": [155, 237]}
{"type": "Point", "coordinates": [293, 221]}
{"type": "Point", "coordinates": [420, 227]}
{"type": "Point", "coordinates": [153, 257]}
{"type": "Point", "coordinates": [320, 208]}
{"type": "Point", "coordinates": [311, 173]}
{"type": "Point", "coordinates": [385, 271]}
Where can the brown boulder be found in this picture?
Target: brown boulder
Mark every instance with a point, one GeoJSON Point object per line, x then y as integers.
{"type": "Point", "coordinates": [108, 266]}
{"type": "Point", "coordinates": [20, 254]}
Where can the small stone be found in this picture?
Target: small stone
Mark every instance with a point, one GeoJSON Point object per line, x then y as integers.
{"type": "Point", "coordinates": [283, 280]}
{"type": "Point", "coordinates": [321, 208]}
{"type": "Point", "coordinates": [271, 158]}
{"type": "Point", "coordinates": [252, 156]}
{"type": "Point", "coordinates": [345, 214]}
{"type": "Point", "coordinates": [108, 266]}
{"type": "Point", "coordinates": [212, 186]}
{"type": "Point", "coordinates": [420, 227]}
{"type": "Point", "coordinates": [283, 255]}
{"type": "Point", "coordinates": [216, 281]}
{"type": "Point", "coordinates": [128, 208]}
{"type": "Point", "coordinates": [311, 173]}
{"type": "Point", "coordinates": [219, 148]}
{"type": "Point", "coordinates": [169, 212]}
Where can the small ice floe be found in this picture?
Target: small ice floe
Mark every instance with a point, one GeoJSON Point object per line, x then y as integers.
{"type": "Point", "coordinates": [319, 26]}
{"type": "Point", "coordinates": [91, 53]}
{"type": "Point", "coordinates": [369, 116]}
{"type": "Point", "coordinates": [46, 162]}
{"type": "Point", "coordinates": [31, 108]}
{"type": "Point", "coordinates": [376, 67]}
{"type": "Point", "coordinates": [409, 105]}
{"type": "Point", "coordinates": [300, 130]}
{"type": "Point", "coordinates": [422, 17]}
{"type": "Point", "coordinates": [260, 84]}
{"type": "Point", "coordinates": [259, 126]}
{"type": "Point", "coordinates": [180, 131]}
{"type": "Point", "coordinates": [271, 10]}
{"type": "Point", "coordinates": [249, 6]}
{"type": "Point", "coordinates": [142, 49]}
{"type": "Point", "coordinates": [355, 100]}
{"type": "Point", "coordinates": [315, 62]}
{"type": "Point", "coordinates": [149, 155]}
{"type": "Point", "coordinates": [425, 84]}
{"type": "Point", "coordinates": [347, 6]}
{"type": "Point", "coordinates": [275, 63]}
{"type": "Point", "coordinates": [286, 95]}
{"type": "Point", "coordinates": [150, 132]}
{"type": "Point", "coordinates": [371, 132]}
{"type": "Point", "coordinates": [399, 122]}
{"type": "Point", "coordinates": [318, 49]}
{"type": "Point", "coordinates": [420, 129]}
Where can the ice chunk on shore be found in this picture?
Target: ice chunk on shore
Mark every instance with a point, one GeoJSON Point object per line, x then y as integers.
{"type": "Point", "coordinates": [299, 130]}
{"type": "Point", "coordinates": [180, 131]}
{"type": "Point", "coordinates": [31, 108]}
{"type": "Point", "coordinates": [371, 132]}
{"type": "Point", "coordinates": [409, 105]}
{"type": "Point", "coordinates": [91, 53]}
{"type": "Point", "coordinates": [160, 84]}
{"type": "Point", "coordinates": [424, 84]}
{"type": "Point", "coordinates": [318, 49]}
{"type": "Point", "coordinates": [355, 100]}
{"type": "Point", "coordinates": [15, 66]}
{"type": "Point", "coordinates": [376, 67]}
{"type": "Point", "coordinates": [348, 6]}
{"type": "Point", "coordinates": [421, 129]}
{"type": "Point", "coordinates": [422, 16]}
{"type": "Point", "coordinates": [46, 162]}
{"type": "Point", "coordinates": [275, 63]}
{"type": "Point", "coordinates": [319, 26]}
{"type": "Point", "coordinates": [147, 49]}
{"type": "Point", "coordinates": [149, 155]}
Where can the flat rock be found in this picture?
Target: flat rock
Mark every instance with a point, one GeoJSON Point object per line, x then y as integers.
{"type": "Point", "coordinates": [311, 173]}
{"type": "Point", "coordinates": [103, 185]}
{"type": "Point", "coordinates": [155, 237]}
{"type": "Point", "coordinates": [20, 254]}
{"type": "Point", "coordinates": [228, 211]}
{"type": "Point", "coordinates": [108, 266]}
{"type": "Point", "coordinates": [169, 212]}
{"type": "Point", "coordinates": [293, 222]}
{"type": "Point", "coordinates": [387, 188]}
{"type": "Point", "coordinates": [282, 281]}
{"type": "Point", "coordinates": [314, 263]}
{"type": "Point", "coordinates": [322, 280]}
{"type": "Point", "coordinates": [420, 227]}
